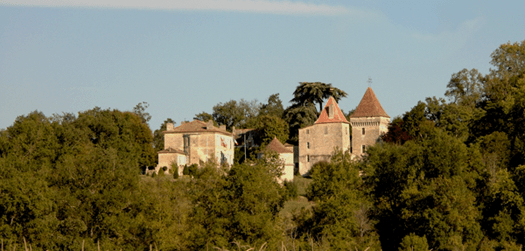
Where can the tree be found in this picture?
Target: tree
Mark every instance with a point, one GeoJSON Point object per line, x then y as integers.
{"type": "Point", "coordinates": [158, 135]}
{"type": "Point", "coordinates": [314, 93]}
{"type": "Point", "coordinates": [465, 87]}
{"type": "Point", "coordinates": [140, 110]}
{"type": "Point", "coordinates": [426, 187]}
{"type": "Point", "coordinates": [298, 117]}
{"type": "Point", "coordinates": [268, 127]}
{"type": "Point", "coordinates": [274, 107]}
{"type": "Point", "coordinates": [203, 116]}
{"type": "Point", "coordinates": [233, 113]}
{"type": "Point", "coordinates": [341, 213]}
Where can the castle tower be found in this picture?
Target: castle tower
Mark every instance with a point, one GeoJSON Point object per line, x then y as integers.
{"type": "Point", "coordinates": [369, 122]}
{"type": "Point", "coordinates": [317, 142]}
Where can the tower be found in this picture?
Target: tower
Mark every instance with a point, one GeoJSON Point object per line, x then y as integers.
{"type": "Point", "coordinates": [369, 122]}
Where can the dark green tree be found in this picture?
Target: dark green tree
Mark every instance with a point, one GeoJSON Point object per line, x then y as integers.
{"type": "Point", "coordinates": [314, 93]}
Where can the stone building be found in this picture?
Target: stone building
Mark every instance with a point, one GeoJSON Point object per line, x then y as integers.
{"type": "Point", "coordinates": [369, 122]}
{"type": "Point", "coordinates": [317, 142]}
{"type": "Point", "coordinates": [194, 143]}
{"type": "Point", "coordinates": [286, 155]}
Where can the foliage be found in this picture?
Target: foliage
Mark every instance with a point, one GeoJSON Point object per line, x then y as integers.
{"type": "Point", "coordinates": [307, 93]}
{"type": "Point", "coordinates": [158, 136]}
{"type": "Point", "coordinates": [270, 127]}
{"type": "Point", "coordinates": [235, 113]}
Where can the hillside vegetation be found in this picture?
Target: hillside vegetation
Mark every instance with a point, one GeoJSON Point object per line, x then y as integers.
{"type": "Point", "coordinates": [449, 175]}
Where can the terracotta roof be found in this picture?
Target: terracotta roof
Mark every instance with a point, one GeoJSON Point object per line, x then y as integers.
{"type": "Point", "coordinates": [369, 106]}
{"type": "Point", "coordinates": [196, 126]}
{"type": "Point", "coordinates": [277, 146]}
{"type": "Point", "coordinates": [171, 150]}
{"type": "Point", "coordinates": [338, 116]}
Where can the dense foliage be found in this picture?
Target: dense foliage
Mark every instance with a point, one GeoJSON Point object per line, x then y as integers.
{"type": "Point", "coordinates": [449, 175]}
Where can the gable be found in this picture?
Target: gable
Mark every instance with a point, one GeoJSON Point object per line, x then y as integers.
{"type": "Point", "coordinates": [331, 113]}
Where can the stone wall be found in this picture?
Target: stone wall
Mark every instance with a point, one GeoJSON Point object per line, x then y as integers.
{"type": "Point", "coordinates": [317, 143]}
{"type": "Point", "coordinates": [366, 131]}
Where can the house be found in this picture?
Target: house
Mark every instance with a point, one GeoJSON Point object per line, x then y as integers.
{"type": "Point", "coordinates": [286, 155]}
{"type": "Point", "coordinates": [196, 142]}
{"type": "Point", "coordinates": [369, 122]}
{"type": "Point", "coordinates": [317, 142]}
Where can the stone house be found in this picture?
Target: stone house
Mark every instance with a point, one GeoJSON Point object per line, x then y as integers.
{"type": "Point", "coordinates": [196, 142]}
{"type": "Point", "coordinates": [317, 142]}
{"type": "Point", "coordinates": [331, 131]}
{"type": "Point", "coordinates": [369, 122]}
{"type": "Point", "coordinates": [286, 155]}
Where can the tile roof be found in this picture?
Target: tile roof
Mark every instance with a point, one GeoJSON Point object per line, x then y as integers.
{"type": "Point", "coordinates": [369, 106]}
{"type": "Point", "coordinates": [277, 146]}
{"type": "Point", "coordinates": [197, 126]}
{"type": "Point", "coordinates": [338, 116]}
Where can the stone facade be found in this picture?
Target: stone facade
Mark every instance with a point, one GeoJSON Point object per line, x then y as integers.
{"type": "Point", "coordinates": [317, 142]}
{"type": "Point", "coordinates": [198, 142]}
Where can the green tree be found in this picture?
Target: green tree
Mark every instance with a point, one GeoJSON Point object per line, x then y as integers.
{"type": "Point", "coordinates": [140, 110]}
{"type": "Point", "coordinates": [235, 113]}
{"type": "Point", "coordinates": [314, 93]}
{"type": "Point", "coordinates": [298, 117]}
{"type": "Point", "coordinates": [268, 127]}
{"type": "Point", "coordinates": [158, 135]}
{"type": "Point", "coordinates": [274, 107]}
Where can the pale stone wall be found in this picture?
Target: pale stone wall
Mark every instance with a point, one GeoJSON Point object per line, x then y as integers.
{"type": "Point", "coordinates": [202, 146]}
{"type": "Point", "coordinates": [317, 143]}
{"type": "Point", "coordinates": [166, 159]}
{"type": "Point", "coordinates": [373, 127]}
{"type": "Point", "coordinates": [173, 140]}
{"type": "Point", "coordinates": [287, 159]}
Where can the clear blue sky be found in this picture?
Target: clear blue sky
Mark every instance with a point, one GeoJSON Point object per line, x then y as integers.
{"type": "Point", "coordinates": [184, 57]}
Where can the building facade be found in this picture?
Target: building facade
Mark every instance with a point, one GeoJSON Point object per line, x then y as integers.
{"type": "Point", "coordinates": [196, 142]}
{"type": "Point", "coordinates": [317, 142]}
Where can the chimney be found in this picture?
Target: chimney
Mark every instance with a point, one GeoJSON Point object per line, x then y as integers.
{"type": "Point", "coordinates": [209, 124]}
{"type": "Point", "coordinates": [233, 130]}
{"type": "Point", "coordinates": [169, 126]}
{"type": "Point", "coordinates": [222, 127]}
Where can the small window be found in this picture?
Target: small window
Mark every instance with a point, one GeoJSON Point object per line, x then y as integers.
{"type": "Point", "coordinates": [308, 145]}
{"type": "Point", "coordinates": [307, 131]}
{"type": "Point", "coordinates": [350, 149]}
{"type": "Point", "coordinates": [326, 130]}
{"type": "Point", "coordinates": [363, 131]}
{"type": "Point", "coordinates": [307, 158]}
{"type": "Point", "coordinates": [363, 149]}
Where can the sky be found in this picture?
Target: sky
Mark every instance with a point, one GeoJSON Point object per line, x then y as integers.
{"type": "Point", "coordinates": [183, 57]}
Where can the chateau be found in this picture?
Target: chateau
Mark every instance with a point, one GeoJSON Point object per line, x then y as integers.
{"type": "Point", "coordinates": [197, 142]}
{"type": "Point", "coordinates": [331, 131]}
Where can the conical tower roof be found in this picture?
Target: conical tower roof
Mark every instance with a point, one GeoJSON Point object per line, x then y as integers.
{"type": "Point", "coordinates": [369, 106]}
{"type": "Point", "coordinates": [331, 113]}
{"type": "Point", "coordinates": [277, 146]}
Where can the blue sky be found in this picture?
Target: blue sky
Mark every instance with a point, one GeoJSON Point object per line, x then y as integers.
{"type": "Point", "coordinates": [184, 57]}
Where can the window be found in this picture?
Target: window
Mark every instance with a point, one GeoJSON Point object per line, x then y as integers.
{"type": "Point", "coordinates": [307, 131]}
{"type": "Point", "coordinates": [350, 149]}
{"type": "Point", "coordinates": [326, 130]}
{"type": "Point", "coordinates": [307, 158]}
{"type": "Point", "coordinates": [308, 145]}
{"type": "Point", "coordinates": [363, 149]}
{"type": "Point", "coordinates": [363, 131]}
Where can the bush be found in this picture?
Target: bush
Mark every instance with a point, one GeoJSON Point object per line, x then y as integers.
{"type": "Point", "coordinates": [291, 190]}
{"type": "Point", "coordinates": [190, 170]}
